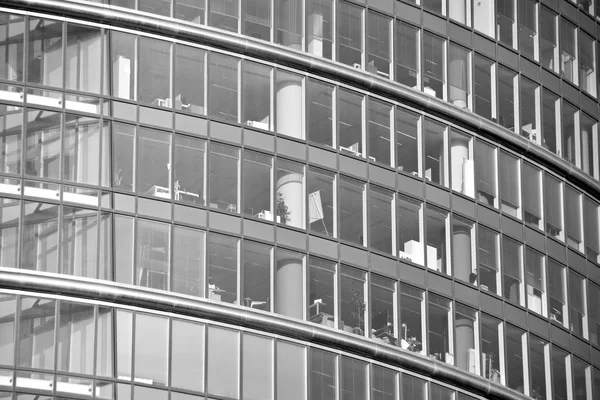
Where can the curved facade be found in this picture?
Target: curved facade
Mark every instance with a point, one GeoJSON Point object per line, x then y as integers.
{"type": "Point", "coordinates": [299, 199]}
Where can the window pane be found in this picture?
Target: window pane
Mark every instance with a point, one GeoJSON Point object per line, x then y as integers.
{"type": "Point", "coordinates": [289, 283]}
{"type": "Point", "coordinates": [510, 195]}
{"type": "Point", "coordinates": [462, 167]}
{"type": "Point", "coordinates": [124, 342]}
{"type": "Point", "coordinates": [581, 380]}
{"type": "Point", "coordinates": [105, 339]}
{"type": "Point", "coordinates": [75, 341]}
{"type": "Point", "coordinates": [532, 196]}
{"type": "Point", "coordinates": [153, 163]}
{"type": "Point", "coordinates": [8, 310]}
{"type": "Point", "coordinates": [554, 207]}
{"type": "Point", "coordinates": [413, 387]}
{"type": "Point", "coordinates": [188, 261]}
{"type": "Point", "coordinates": [383, 383]}
{"type": "Point", "coordinates": [350, 30]}
{"type": "Point", "coordinates": [440, 325]}
{"type": "Point", "coordinates": [323, 375]}
{"type": "Point", "coordinates": [222, 268]}
{"type": "Point", "coordinates": [291, 371]}
{"type": "Point", "coordinates": [557, 302]}
{"type": "Point", "coordinates": [190, 166]}
{"type": "Point", "coordinates": [378, 44]}
{"type": "Point", "coordinates": [507, 82]}
{"type": "Point", "coordinates": [288, 17]}
{"type": "Point", "coordinates": [352, 300]}
{"type": "Point", "coordinates": [351, 210]}
{"type": "Point", "coordinates": [124, 249]}
{"type": "Point", "coordinates": [463, 240]}
{"type": "Point", "coordinates": [321, 211]}
{"type": "Point", "coordinates": [81, 159]}
{"type": "Point", "coordinates": [459, 77]}
{"type": "Point", "coordinates": [505, 23]}
{"type": "Point", "coordinates": [407, 142]}
{"type": "Point", "coordinates": [257, 184]}
{"type": "Point", "coordinates": [383, 309]}
{"type": "Point", "coordinates": [435, 162]}
{"type": "Point", "coordinates": [491, 338]}
{"type": "Point", "coordinates": [290, 206]}
{"type": "Point", "coordinates": [512, 265]}
{"type": "Point", "coordinates": [559, 373]}
{"type": "Point", "coordinates": [587, 63]}
{"type": "Point", "coordinates": [42, 155]}
{"type": "Point", "coordinates": [591, 218]}
{"type": "Point", "coordinates": [550, 122]}
{"type": "Point", "coordinates": [441, 393]}
{"type": "Point", "coordinates": [409, 214]}
{"type": "Point", "coordinates": [548, 39]}
{"type": "Point", "coordinates": [155, 74]}
{"type": "Point", "coordinates": [256, 273]}
{"type": "Point", "coordinates": [151, 350]}
{"type": "Point", "coordinates": [483, 80]}
{"type": "Point", "coordinates": [485, 173]}
{"type": "Point", "coordinates": [379, 132]}
{"type": "Point", "coordinates": [577, 300]}
{"type": "Point", "coordinates": [257, 368]}
{"type": "Point", "coordinates": [45, 56]}
{"type": "Point", "coordinates": [223, 362]}
{"type": "Point", "coordinates": [380, 219]}
{"type": "Point", "coordinates": [36, 333]}
{"type": "Point", "coordinates": [190, 10]}
{"type": "Point", "coordinates": [538, 350]}
{"type": "Point", "coordinates": [589, 146]}
{"type": "Point", "coordinates": [124, 69]}
{"type": "Point", "coordinates": [223, 14]}
{"type": "Point", "coordinates": [153, 254]}
{"type": "Point", "coordinates": [40, 237]}
{"type": "Point", "coordinates": [224, 164]}
{"type": "Point", "coordinates": [123, 156]}
{"type": "Point", "coordinates": [407, 54]}
{"type": "Point", "coordinates": [320, 112]}
{"type": "Point", "coordinates": [11, 127]}
{"type": "Point", "coordinates": [515, 356]}
{"type": "Point", "coordinates": [79, 252]}
{"type": "Point", "coordinates": [594, 298]}
{"type": "Point", "coordinates": [568, 54]}
{"type": "Point", "coordinates": [257, 19]}
{"type": "Point", "coordinates": [12, 47]}
{"type": "Point", "coordinates": [256, 95]}
{"type": "Point", "coordinates": [570, 133]}
{"type": "Point", "coordinates": [530, 110]}
{"type": "Point", "coordinates": [412, 320]}
{"type": "Point", "coordinates": [573, 218]}
{"type": "Point", "coordinates": [223, 86]}
{"type": "Point", "coordinates": [535, 279]}
{"type": "Point", "coordinates": [321, 300]}
{"type": "Point", "coordinates": [289, 119]}
{"type": "Point", "coordinates": [433, 65]}
{"type": "Point", "coordinates": [528, 28]}
{"type": "Point", "coordinates": [437, 243]}
{"type": "Point", "coordinates": [350, 133]}
{"type": "Point", "coordinates": [354, 379]}
{"type": "Point", "coordinates": [488, 259]}
{"type": "Point", "coordinates": [319, 22]}
{"type": "Point", "coordinates": [188, 86]}
{"type": "Point", "coordinates": [466, 337]}
{"type": "Point", "coordinates": [10, 211]}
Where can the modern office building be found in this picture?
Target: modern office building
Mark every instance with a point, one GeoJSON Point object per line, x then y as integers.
{"type": "Point", "coordinates": [299, 199]}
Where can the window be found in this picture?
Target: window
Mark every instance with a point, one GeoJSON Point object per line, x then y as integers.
{"type": "Point", "coordinates": [550, 121]}
{"type": "Point", "coordinates": [409, 221]}
{"type": "Point", "coordinates": [323, 375]}
{"type": "Point", "coordinates": [437, 239]}
{"type": "Point", "coordinates": [483, 17]}
{"type": "Point", "coordinates": [353, 379]}
{"type": "Point", "coordinates": [320, 97]}
{"type": "Point", "coordinates": [530, 110]}
{"type": "Point", "coordinates": [568, 54]}
{"type": "Point", "coordinates": [224, 167]}
{"type": "Point", "coordinates": [407, 55]}
{"type": "Point", "coordinates": [491, 350]}
{"type": "Point", "coordinates": [222, 268]}
{"type": "Point", "coordinates": [154, 163]}
{"type": "Point", "coordinates": [408, 154]}
{"type": "Point", "coordinates": [190, 170]}
{"type": "Point", "coordinates": [151, 351]}
{"type": "Point", "coordinates": [463, 243]}
{"type": "Point", "coordinates": [381, 229]}
{"type": "Point", "coordinates": [570, 134]}
{"type": "Point", "coordinates": [573, 218]}
{"type": "Point", "coordinates": [223, 85]}
{"type": "Point", "coordinates": [535, 279]}
{"type": "Point", "coordinates": [291, 371]}
{"type": "Point", "coordinates": [507, 92]}
{"type": "Point", "coordinates": [289, 105]}
{"type": "Point", "coordinates": [441, 334]}
{"type": "Point", "coordinates": [460, 11]}
{"type": "Point", "coordinates": [581, 379]}
{"type": "Point", "coordinates": [12, 47]}
{"type": "Point", "coordinates": [467, 338]}
{"type": "Point", "coordinates": [383, 383]}
{"type": "Point", "coordinates": [383, 310]}
{"type": "Point", "coordinates": [36, 334]}
{"type": "Point", "coordinates": [223, 14]}
{"type": "Point", "coordinates": [39, 246]}
{"type": "Point", "coordinates": [532, 200]}
{"type": "Point", "coordinates": [350, 132]}
{"type": "Point", "coordinates": [154, 74]}
{"type": "Point", "coordinates": [187, 355]}
{"type": "Point", "coordinates": [42, 141]}
{"type": "Point", "coordinates": [594, 318]}
{"type": "Point", "coordinates": [528, 39]}
{"type": "Point", "coordinates": [557, 302]}
{"type": "Point", "coordinates": [485, 173]}
{"type": "Point", "coordinates": [290, 206]}
{"type": "Point", "coordinates": [591, 218]}
{"type": "Point", "coordinates": [379, 132]}
{"type": "Point", "coordinates": [590, 162]}
{"type": "Point", "coordinates": [188, 86]}
{"type": "Point", "coordinates": [512, 266]}
{"type": "Point", "coordinates": [505, 22]}
{"type": "Point", "coordinates": [462, 170]}
{"type": "Point", "coordinates": [560, 377]}
{"type": "Point", "coordinates": [321, 202]}
{"type": "Point", "coordinates": [223, 362]}
{"type": "Point", "coordinates": [45, 54]}
{"type": "Point", "coordinates": [437, 6]}
{"type": "Point", "coordinates": [350, 29]}
{"type": "Point", "coordinates": [413, 387]}
{"type": "Point", "coordinates": [124, 248]}
{"type": "Point", "coordinates": [11, 139]}
{"type": "Point", "coordinates": [153, 254]}
{"type": "Point", "coordinates": [352, 289]}
{"type": "Point", "coordinates": [257, 19]}
{"type": "Point", "coordinates": [510, 193]}
{"type": "Point", "coordinates": [587, 64]}
{"type": "Point", "coordinates": [124, 65]}
{"type": "Point", "coordinates": [82, 160]}
{"type": "Point", "coordinates": [79, 252]}
{"type": "Point", "coordinates": [412, 318]}
{"type": "Point", "coordinates": [577, 304]}
{"type": "Point", "coordinates": [257, 367]}
{"type": "Point", "coordinates": [84, 67]}
{"type": "Point", "coordinates": [257, 184]}
{"type": "Point", "coordinates": [538, 367]}
{"type": "Point", "coordinates": [190, 10]}
{"type": "Point", "coordinates": [378, 44]}
{"type": "Point", "coordinates": [123, 342]}
{"type": "Point", "coordinates": [434, 65]}
{"type": "Point", "coordinates": [289, 283]}
{"type": "Point", "coordinates": [435, 147]}
{"type": "Point", "coordinates": [188, 261]}
{"type": "Point", "coordinates": [75, 338]}
{"type": "Point", "coordinates": [319, 22]}
{"type": "Point", "coordinates": [554, 207]}
{"type": "Point", "coordinates": [123, 141]}
{"type": "Point", "coordinates": [321, 291]}
{"type": "Point", "coordinates": [488, 260]}
{"type": "Point", "coordinates": [288, 23]}
{"type": "Point", "coordinates": [351, 212]}
{"type": "Point", "coordinates": [459, 76]}
{"type": "Point", "coordinates": [256, 275]}
{"type": "Point", "coordinates": [9, 232]}
{"type": "Point", "coordinates": [516, 357]}
{"type": "Point", "coordinates": [548, 39]}
{"type": "Point", "coordinates": [484, 82]}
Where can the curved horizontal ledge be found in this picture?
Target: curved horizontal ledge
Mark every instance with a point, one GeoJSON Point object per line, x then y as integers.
{"type": "Point", "coordinates": [240, 44]}
{"type": "Point", "coordinates": [119, 294]}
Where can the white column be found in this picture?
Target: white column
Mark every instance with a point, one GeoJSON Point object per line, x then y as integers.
{"type": "Point", "coordinates": [459, 152]}
{"type": "Point", "coordinates": [289, 190]}
{"type": "Point", "coordinates": [288, 288]}
{"type": "Point", "coordinates": [289, 107]}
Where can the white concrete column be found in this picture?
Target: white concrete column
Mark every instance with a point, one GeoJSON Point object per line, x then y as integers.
{"type": "Point", "coordinates": [289, 190]}
{"type": "Point", "coordinates": [464, 342]}
{"type": "Point", "coordinates": [461, 253]}
{"type": "Point", "coordinates": [457, 71]}
{"type": "Point", "coordinates": [288, 288]}
{"type": "Point", "coordinates": [459, 152]}
{"type": "Point", "coordinates": [289, 107]}
{"type": "Point", "coordinates": [585, 154]}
